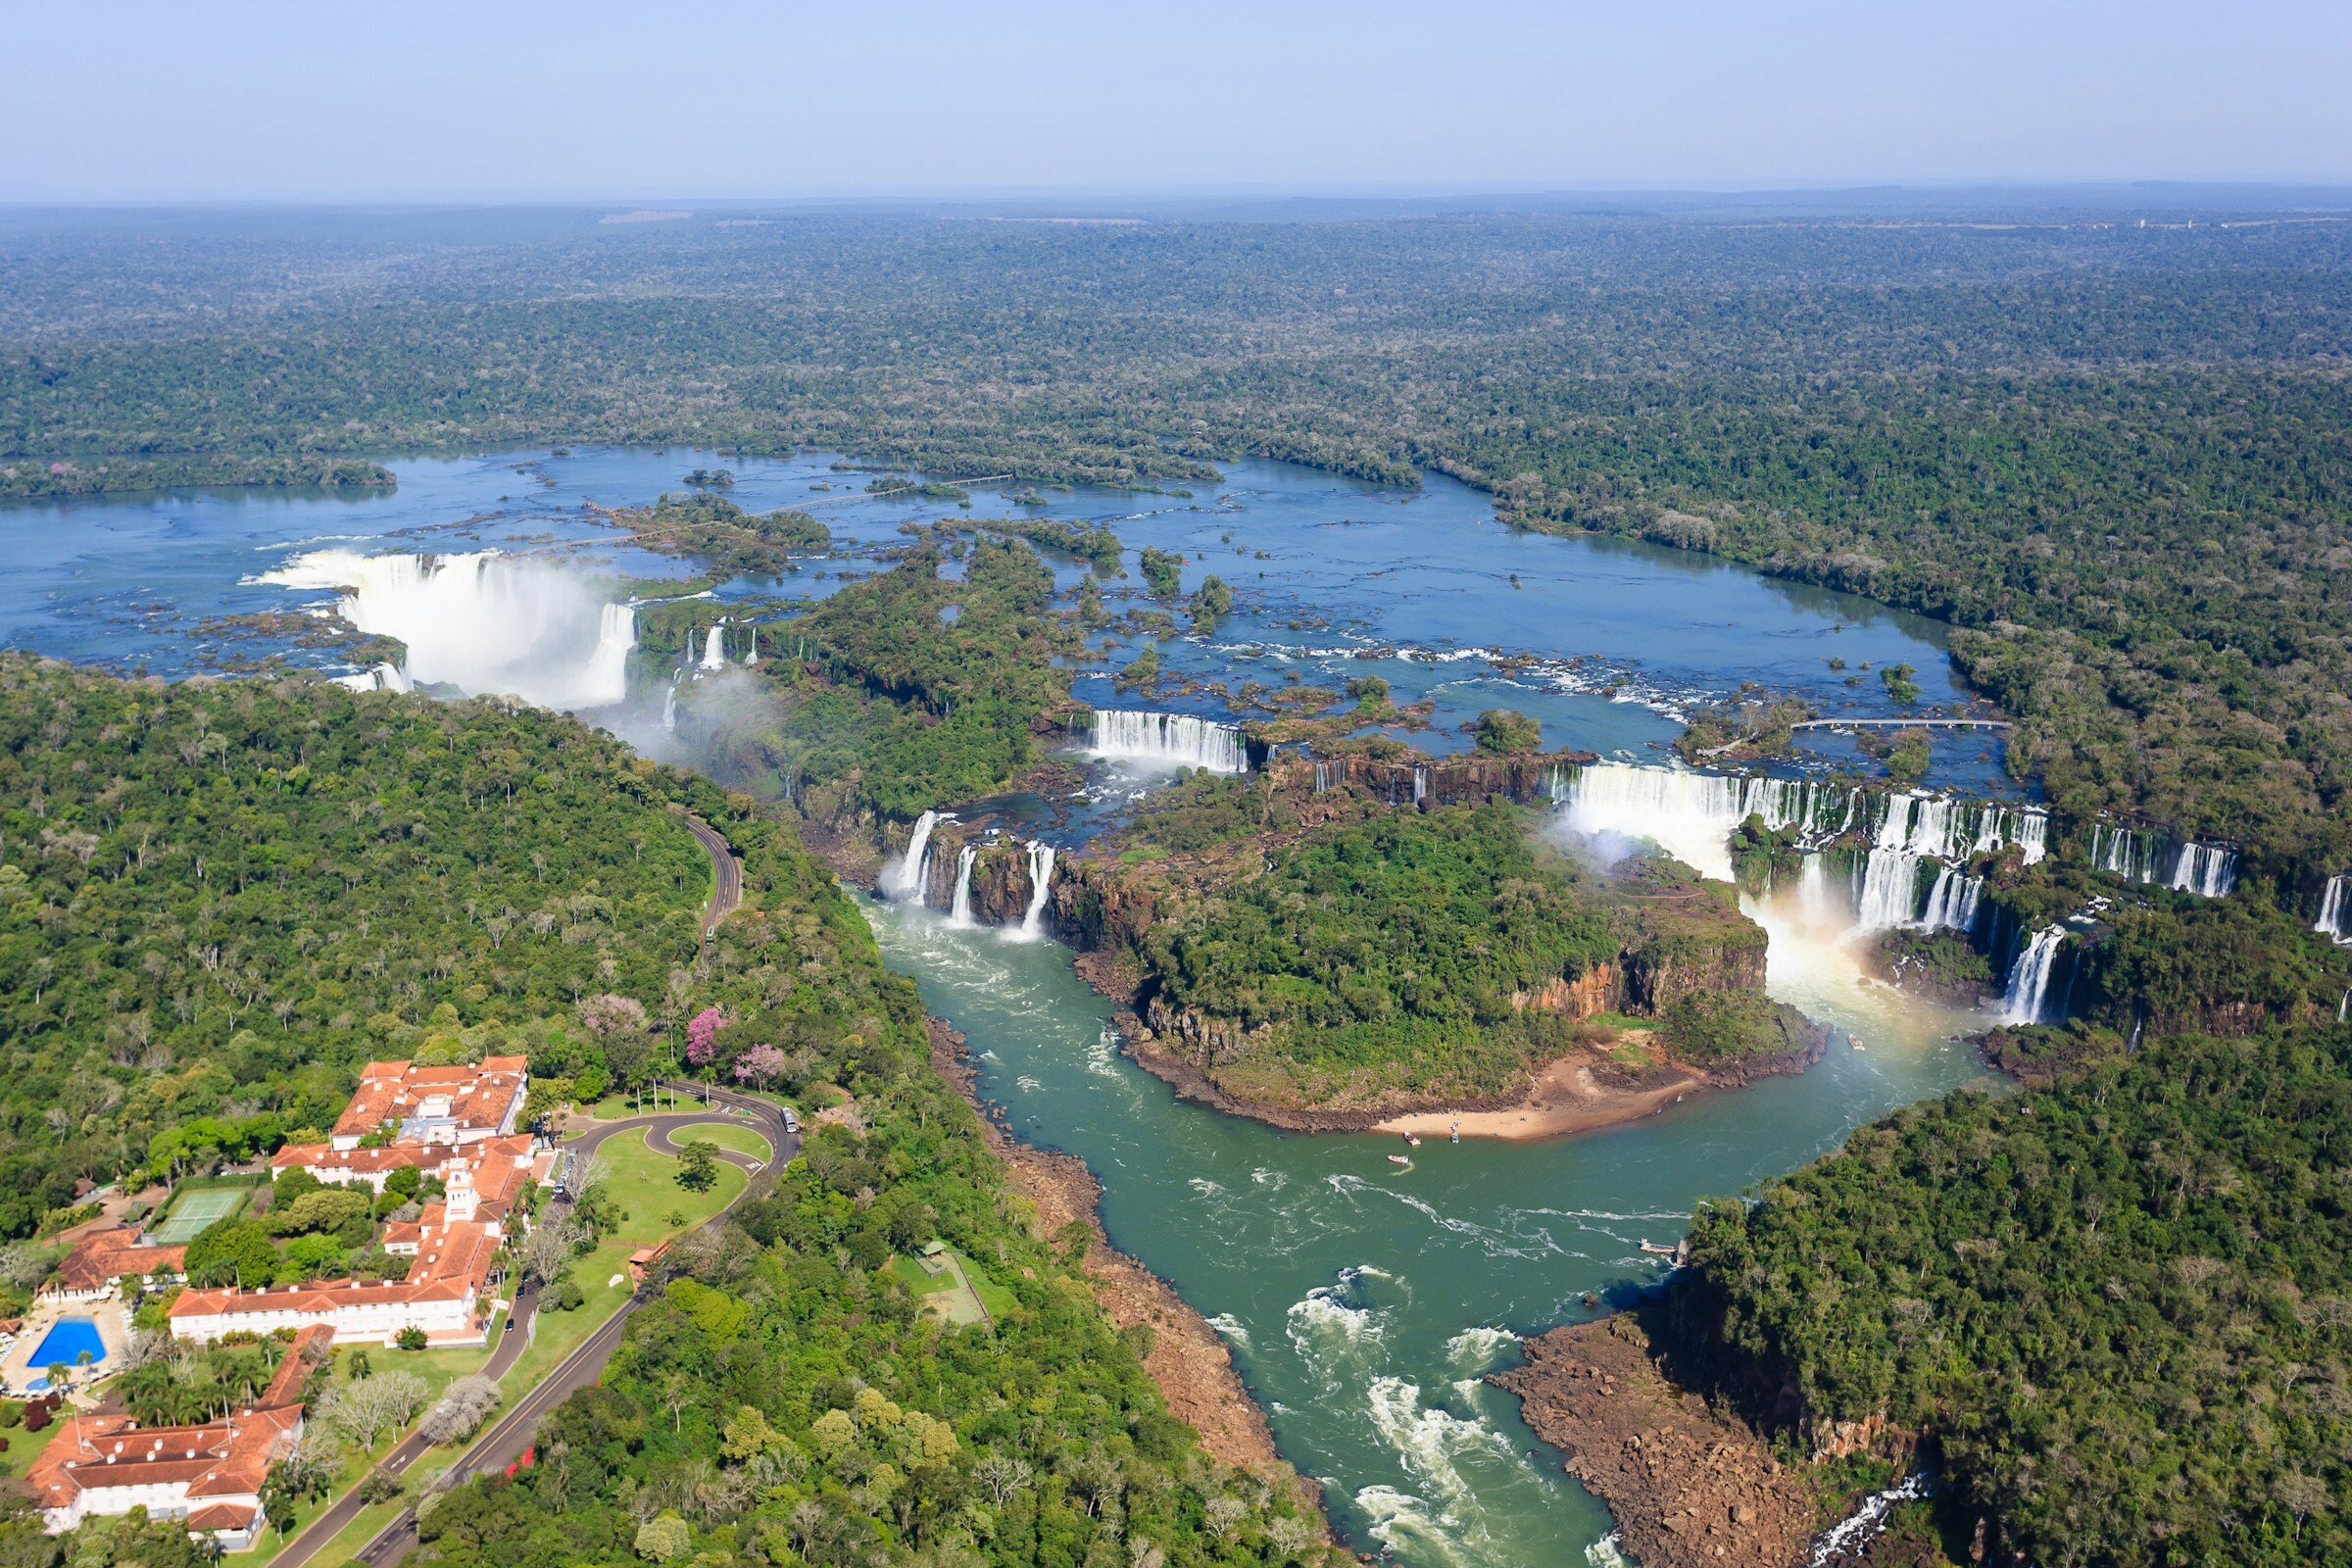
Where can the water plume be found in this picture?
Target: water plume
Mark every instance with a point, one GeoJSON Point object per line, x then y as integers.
{"type": "Point", "coordinates": [486, 622]}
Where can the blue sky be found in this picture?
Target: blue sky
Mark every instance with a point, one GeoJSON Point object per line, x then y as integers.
{"type": "Point", "coordinates": [224, 99]}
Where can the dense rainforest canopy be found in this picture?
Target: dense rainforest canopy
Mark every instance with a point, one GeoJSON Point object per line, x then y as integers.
{"type": "Point", "coordinates": [2122, 1303]}
{"type": "Point", "coordinates": [219, 898]}
{"type": "Point", "coordinates": [2118, 457]}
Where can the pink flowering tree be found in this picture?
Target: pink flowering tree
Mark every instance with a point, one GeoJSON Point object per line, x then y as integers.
{"type": "Point", "coordinates": [702, 1036]}
{"type": "Point", "coordinates": [759, 1065]}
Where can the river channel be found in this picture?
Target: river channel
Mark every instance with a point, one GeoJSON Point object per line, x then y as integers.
{"type": "Point", "coordinates": [1363, 1299]}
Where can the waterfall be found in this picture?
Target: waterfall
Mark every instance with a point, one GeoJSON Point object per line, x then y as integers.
{"type": "Point", "coordinates": [753, 657]}
{"type": "Point", "coordinates": [483, 622]}
{"type": "Point", "coordinates": [1180, 740]}
{"type": "Point", "coordinates": [1890, 892]}
{"type": "Point", "coordinates": [715, 647]}
{"type": "Point", "coordinates": [1420, 783]}
{"type": "Point", "coordinates": [1322, 777]}
{"type": "Point", "coordinates": [616, 637]}
{"type": "Point", "coordinates": [669, 707]}
{"type": "Point", "coordinates": [960, 909]}
{"type": "Point", "coordinates": [1952, 902]}
{"type": "Point", "coordinates": [1041, 884]}
{"type": "Point", "coordinates": [2124, 852]}
{"type": "Point", "coordinates": [1813, 894]}
{"type": "Point", "coordinates": [383, 678]}
{"type": "Point", "coordinates": [2209, 870]}
{"type": "Point", "coordinates": [2336, 911]}
{"type": "Point", "coordinates": [906, 880]}
{"type": "Point", "coordinates": [1691, 816]}
{"type": "Point", "coordinates": [2030, 977]}
{"type": "Point", "coordinates": [1954, 830]}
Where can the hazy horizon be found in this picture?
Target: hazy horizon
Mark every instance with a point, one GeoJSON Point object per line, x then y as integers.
{"type": "Point", "coordinates": [264, 102]}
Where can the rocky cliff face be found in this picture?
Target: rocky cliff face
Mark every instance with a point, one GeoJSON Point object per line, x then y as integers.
{"type": "Point", "coordinates": [1467, 778]}
{"type": "Point", "coordinates": [1095, 907]}
{"type": "Point", "coordinates": [1001, 884]}
{"type": "Point", "coordinates": [1600, 991]}
{"type": "Point", "coordinates": [1659, 973]}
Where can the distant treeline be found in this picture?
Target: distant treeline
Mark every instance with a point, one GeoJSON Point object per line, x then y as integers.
{"type": "Point", "coordinates": [2120, 460]}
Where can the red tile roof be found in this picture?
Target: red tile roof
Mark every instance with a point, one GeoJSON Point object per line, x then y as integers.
{"type": "Point", "coordinates": [480, 1096]}
{"type": "Point", "coordinates": [104, 1256]}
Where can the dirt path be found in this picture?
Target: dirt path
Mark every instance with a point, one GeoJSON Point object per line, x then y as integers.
{"type": "Point", "coordinates": [1686, 1486]}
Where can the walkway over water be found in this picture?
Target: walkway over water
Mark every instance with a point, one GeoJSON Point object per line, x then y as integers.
{"type": "Point", "coordinates": [1901, 724]}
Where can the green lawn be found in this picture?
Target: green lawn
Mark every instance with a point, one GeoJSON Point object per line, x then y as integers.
{"type": "Point", "coordinates": [741, 1137]}
{"type": "Point", "coordinates": [645, 1186]}
{"type": "Point", "coordinates": [23, 1448]}
{"type": "Point", "coordinates": [959, 1301]}
{"type": "Point", "coordinates": [621, 1107]}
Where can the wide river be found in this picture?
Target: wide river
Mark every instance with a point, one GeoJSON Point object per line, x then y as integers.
{"type": "Point", "coordinates": [1363, 1301]}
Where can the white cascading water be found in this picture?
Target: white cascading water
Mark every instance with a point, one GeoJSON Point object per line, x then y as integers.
{"type": "Point", "coordinates": [615, 639]}
{"type": "Point", "coordinates": [715, 647]}
{"type": "Point", "coordinates": [669, 707]}
{"type": "Point", "coordinates": [1691, 816]}
{"type": "Point", "coordinates": [1174, 740]}
{"type": "Point", "coordinates": [2336, 911]}
{"type": "Point", "coordinates": [1952, 902]}
{"type": "Point", "coordinates": [2028, 988]}
{"type": "Point", "coordinates": [2118, 850]}
{"type": "Point", "coordinates": [960, 909]}
{"type": "Point", "coordinates": [2209, 870]}
{"type": "Point", "coordinates": [753, 657]}
{"type": "Point", "coordinates": [1890, 892]}
{"type": "Point", "coordinates": [904, 881]}
{"type": "Point", "coordinates": [484, 622]}
{"type": "Point", "coordinates": [383, 678]}
{"type": "Point", "coordinates": [1040, 886]}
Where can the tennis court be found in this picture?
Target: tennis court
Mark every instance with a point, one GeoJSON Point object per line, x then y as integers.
{"type": "Point", "coordinates": [197, 1208]}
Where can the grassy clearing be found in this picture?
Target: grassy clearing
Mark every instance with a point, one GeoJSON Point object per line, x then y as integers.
{"type": "Point", "coordinates": [23, 1448]}
{"type": "Point", "coordinates": [738, 1136]}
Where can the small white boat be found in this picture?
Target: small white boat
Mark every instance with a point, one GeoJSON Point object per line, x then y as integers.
{"type": "Point", "coordinates": [1398, 1159]}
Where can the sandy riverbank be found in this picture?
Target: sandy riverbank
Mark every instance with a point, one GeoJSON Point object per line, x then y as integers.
{"type": "Point", "coordinates": [1567, 1097]}
{"type": "Point", "coordinates": [1188, 1361]}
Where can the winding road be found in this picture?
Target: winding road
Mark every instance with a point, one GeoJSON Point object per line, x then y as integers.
{"type": "Point", "coordinates": [506, 1439]}
{"type": "Point", "coordinates": [726, 871]}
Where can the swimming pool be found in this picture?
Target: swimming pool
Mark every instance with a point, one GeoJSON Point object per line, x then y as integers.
{"type": "Point", "coordinates": [65, 1341]}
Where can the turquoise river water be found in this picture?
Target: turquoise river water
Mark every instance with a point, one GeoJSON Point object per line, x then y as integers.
{"type": "Point", "coordinates": [1363, 1301]}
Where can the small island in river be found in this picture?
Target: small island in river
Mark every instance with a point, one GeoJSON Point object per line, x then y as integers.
{"type": "Point", "coordinates": [1351, 958]}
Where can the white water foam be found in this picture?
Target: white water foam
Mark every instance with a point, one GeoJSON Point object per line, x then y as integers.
{"type": "Point", "coordinates": [2336, 911]}
{"type": "Point", "coordinates": [486, 622]}
{"type": "Point", "coordinates": [1477, 1349]}
{"type": "Point", "coordinates": [904, 882]}
{"type": "Point", "coordinates": [1168, 740]}
{"type": "Point", "coordinates": [1041, 884]}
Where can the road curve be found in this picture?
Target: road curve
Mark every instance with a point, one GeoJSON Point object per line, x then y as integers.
{"type": "Point", "coordinates": [509, 1437]}
{"type": "Point", "coordinates": [726, 871]}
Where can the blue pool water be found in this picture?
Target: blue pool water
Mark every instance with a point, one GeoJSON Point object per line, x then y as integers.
{"type": "Point", "coordinates": [68, 1338]}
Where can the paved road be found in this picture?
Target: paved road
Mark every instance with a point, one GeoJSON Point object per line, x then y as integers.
{"type": "Point", "coordinates": [509, 1437]}
{"type": "Point", "coordinates": [506, 1439]}
{"type": "Point", "coordinates": [727, 885]}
